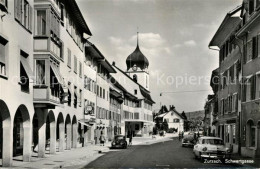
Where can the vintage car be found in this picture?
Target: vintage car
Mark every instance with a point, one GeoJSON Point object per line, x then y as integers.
{"type": "Point", "coordinates": [211, 147]}
{"type": "Point", "coordinates": [119, 141]}
{"type": "Point", "coordinates": [188, 140]}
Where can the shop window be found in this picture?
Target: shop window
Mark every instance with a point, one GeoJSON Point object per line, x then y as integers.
{"type": "Point", "coordinates": [40, 72]}
{"type": "Point", "coordinates": [41, 23]}
{"type": "Point", "coordinates": [3, 56]}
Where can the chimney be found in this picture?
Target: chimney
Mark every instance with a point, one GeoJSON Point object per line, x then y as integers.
{"type": "Point", "coordinates": [113, 63]}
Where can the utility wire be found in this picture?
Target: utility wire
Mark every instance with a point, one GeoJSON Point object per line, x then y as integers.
{"type": "Point", "coordinates": [189, 91]}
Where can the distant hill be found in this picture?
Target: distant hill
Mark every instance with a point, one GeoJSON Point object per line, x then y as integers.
{"type": "Point", "coordinates": [198, 115]}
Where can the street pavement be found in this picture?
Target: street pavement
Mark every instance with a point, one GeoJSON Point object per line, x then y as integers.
{"type": "Point", "coordinates": [148, 152]}
{"type": "Point", "coordinates": [165, 154]}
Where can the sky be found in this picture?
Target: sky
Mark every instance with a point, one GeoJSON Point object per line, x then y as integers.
{"type": "Point", "coordinates": [173, 35]}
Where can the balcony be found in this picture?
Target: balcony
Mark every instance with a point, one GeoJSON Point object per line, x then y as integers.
{"type": "Point", "coordinates": [54, 5]}
{"type": "Point", "coordinates": [49, 90]}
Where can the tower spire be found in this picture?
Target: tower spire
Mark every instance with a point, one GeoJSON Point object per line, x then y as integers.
{"type": "Point", "coordinates": [137, 36]}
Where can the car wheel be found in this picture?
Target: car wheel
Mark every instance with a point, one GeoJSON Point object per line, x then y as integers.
{"type": "Point", "coordinates": [201, 158]}
{"type": "Point", "coordinates": [195, 156]}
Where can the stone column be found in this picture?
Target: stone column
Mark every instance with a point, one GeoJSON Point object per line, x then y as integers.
{"type": "Point", "coordinates": [27, 142]}
{"type": "Point", "coordinates": [42, 115]}
{"type": "Point", "coordinates": [68, 141]}
{"type": "Point", "coordinates": [52, 137]}
{"type": "Point", "coordinates": [86, 132]}
{"type": "Point", "coordinates": [74, 135]}
{"type": "Point", "coordinates": [62, 137]}
{"type": "Point", "coordinates": [7, 151]}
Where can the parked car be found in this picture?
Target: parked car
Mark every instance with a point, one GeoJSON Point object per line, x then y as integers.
{"type": "Point", "coordinates": [188, 140]}
{"type": "Point", "coordinates": [211, 147]}
{"type": "Point", "coordinates": [119, 141]}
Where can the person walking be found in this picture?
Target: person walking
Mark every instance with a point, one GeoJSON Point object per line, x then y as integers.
{"type": "Point", "coordinates": [102, 140]}
{"type": "Point", "coordinates": [130, 139]}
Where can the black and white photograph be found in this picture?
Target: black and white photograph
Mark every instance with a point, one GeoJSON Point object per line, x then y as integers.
{"type": "Point", "coordinates": [89, 84]}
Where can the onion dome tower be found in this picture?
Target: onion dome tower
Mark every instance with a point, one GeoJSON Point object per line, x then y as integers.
{"type": "Point", "coordinates": [137, 66]}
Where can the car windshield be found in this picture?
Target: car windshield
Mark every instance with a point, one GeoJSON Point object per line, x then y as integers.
{"type": "Point", "coordinates": [213, 141]}
{"type": "Point", "coordinates": [119, 137]}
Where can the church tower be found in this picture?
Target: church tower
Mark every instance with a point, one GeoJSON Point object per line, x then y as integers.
{"type": "Point", "coordinates": [137, 66]}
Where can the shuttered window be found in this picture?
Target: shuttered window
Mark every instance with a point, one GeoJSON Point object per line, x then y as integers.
{"type": "Point", "coordinates": [69, 58]}
{"type": "Point", "coordinates": [75, 64]}
{"type": "Point", "coordinates": [23, 13]}
{"type": "Point", "coordinates": [254, 48]}
{"type": "Point", "coordinates": [249, 50]}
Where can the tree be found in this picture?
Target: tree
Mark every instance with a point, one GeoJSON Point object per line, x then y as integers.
{"type": "Point", "coordinates": [186, 122]}
{"type": "Point", "coordinates": [165, 125]}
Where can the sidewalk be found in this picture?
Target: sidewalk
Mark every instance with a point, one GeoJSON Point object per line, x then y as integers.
{"type": "Point", "coordinates": [75, 157]}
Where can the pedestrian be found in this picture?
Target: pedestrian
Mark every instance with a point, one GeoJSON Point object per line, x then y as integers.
{"type": "Point", "coordinates": [180, 136]}
{"type": "Point", "coordinates": [130, 139]}
{"type": "Point", "coordinates": [102, 140]}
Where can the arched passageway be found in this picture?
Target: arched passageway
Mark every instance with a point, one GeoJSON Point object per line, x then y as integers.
{"type": "Point", "coordinates": [6, 141]}
{"type": "Point", "coordinates": [22, 133]}
{"type": "Point", "coordinates": [60, 132]}
{"type": "Point", "coordinates": [74, 132]}
{"type": "Point", "coordinates": [51, 133]}
{"type": "Point", "coordinates": [68, 132]}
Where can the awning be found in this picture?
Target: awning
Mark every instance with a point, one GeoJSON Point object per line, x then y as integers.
{"type": "Point", "coordinates": [27, 67]}
{"type": "Point", "coordinates": [115, 93]}
{"type": "Point", "coordinates": [85, 123]}
{"type": "Point", "coordinates": [258, 73]}
{"type": "Point", "coordinates": [57, 74]}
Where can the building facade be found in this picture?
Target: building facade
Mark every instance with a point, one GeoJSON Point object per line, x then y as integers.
{"type": "Point", "coordinates": [55, 88]}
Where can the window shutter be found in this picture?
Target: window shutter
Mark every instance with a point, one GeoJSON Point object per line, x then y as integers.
{"type": "Point", "coordinates": [249, 50]}
{"type": "Point", "coordinates": [30, 18]}
{"type": "Point", "coordinates": [18, 9]}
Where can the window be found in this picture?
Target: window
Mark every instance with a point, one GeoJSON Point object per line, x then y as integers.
{"type": "Point", "coordinates": [97, 90]}
{"type": "Point", "coordinates": [100, 92]}
{"type": "Point", "coordinates": [227, 132]}
{"type": "Point", "coordinates": [249, 51]}
{"type": "Point", "coordinates": [23, 13]}
{"type": "Point", "coordinates": [251, 134]}
{"type": "Point", "coordinates": [75, 64]}
{"type": "Point", "coordinates": [234, 133]}
{"type": "Point", "coordinates": [3, 56]}
{"type": "Point", "coordinates": [80, 97]}
{"type": "Point", "coordinates": [135, 91]}
{"type": "Point", "coordinates": [80, 69]}
{"type": "Point", "coordinates": [24, 72]}
{"type": "Point", "coordinates": [69, 96]}
{"type": "Point", "coordinates": [40, 72]}
{"type": "Point", "coordinates": [104, 94]}
{"type": "Point", "coordinates": [135, 77]}
{"type": "Point", "coordinates": [62, 12]}
{"type": "Point", "coordinates": [251, 6]}
{"type": "Point", "coordinates": [176, 120]}
{"type": "Point", "coordinates": [136, 115]}
{"type": "Point", "coordinates": [75, 97]}
{"type": "Point", "coordinates": [69, 58]}
{"type": "Point", "coordinates": [41, 22]}
{"type": "Point", "coordinates": [253, 87]}
{"type": "Point", "coordinates": [254, 48]}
